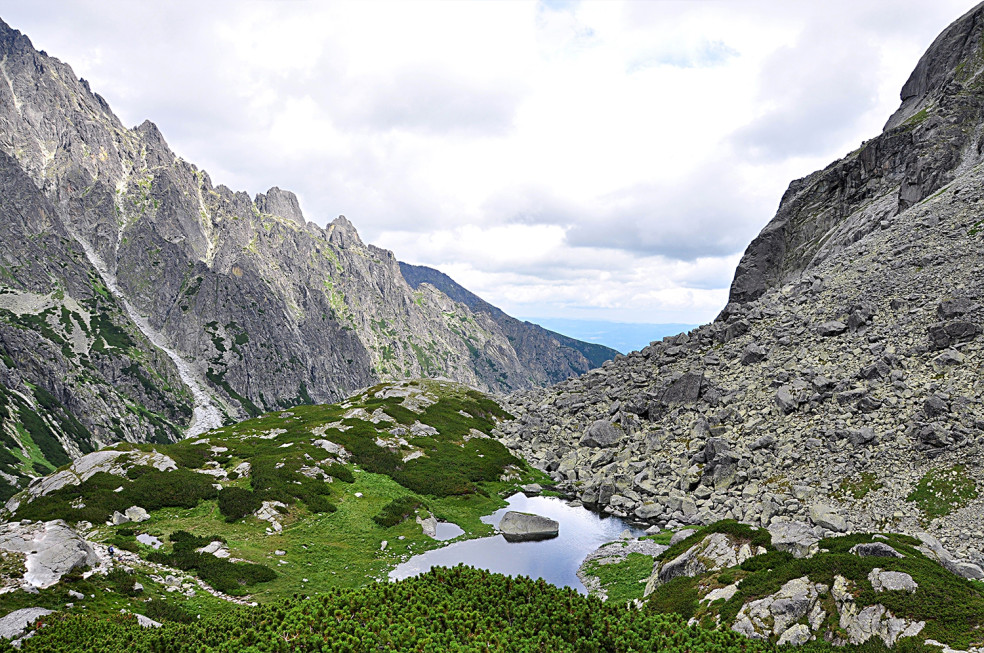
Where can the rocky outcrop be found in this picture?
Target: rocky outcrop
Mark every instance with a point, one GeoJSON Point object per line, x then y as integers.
{"type": "Point", "coordinates": [715, 551]}
{"type": "Point", "coordinates": [525, 527]}
{"type": "Point", "coordinates": [828, 392]}
{"type": "Point", "coordinates": [52, 549]}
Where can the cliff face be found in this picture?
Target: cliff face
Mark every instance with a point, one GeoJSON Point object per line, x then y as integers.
{"type": "Point", "coordinates": [843, 383]}
{"type": "Point", "coordinates": [935, 135]}
{"type": "Point", "coordinates": [147, 302]}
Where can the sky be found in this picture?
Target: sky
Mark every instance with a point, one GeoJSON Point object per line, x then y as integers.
{"type": "Point", "coordinates": [579, 160]}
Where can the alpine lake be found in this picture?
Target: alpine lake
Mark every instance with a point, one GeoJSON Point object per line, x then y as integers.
{"type": "Point", "coordinates": [555, 560]}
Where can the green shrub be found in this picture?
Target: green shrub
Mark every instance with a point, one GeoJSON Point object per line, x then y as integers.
{"type": "Point", "coordinates": [397, 510]}
{"type": "Point", "coordinates": [678, 596]}
{"type": "Point", "coordinates": [163, 611]}
{"type": "Point", "coordinates": [236, 502]}
{"type": "Point", "coordinates": [122, 582]}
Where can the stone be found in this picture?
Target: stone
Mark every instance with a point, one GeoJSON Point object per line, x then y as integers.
{"type": "Point", "coordinates": [828, 517]}
{"type": "Point", "coordinates": [831, 328]}
{"type": "Point", "coordinates": [891, 581]}
{"type": "Point", "coordinates": [136, 514]}
{"type": "Point", "coordinates": [776, 613]}
{"type": "Point", "coordinates": [16, 623]}
{"type": "Point", "coordinates": [601, 433]}
{"type": "Point", "coordinates": [428, 525]}
{"type": "Point", "coordinates": [795, 635]}
{"type": "Point", "coordinates": [875, 550]}
{"type": "Point", "coordinates": [147, 622]}
{"type": "Point", "coordinates": [523, 526]}
{"type": "Point", "coordinates": [720, 593]}
{"type": "Point", "coordinates": [713, 552]}
{"type": "Point", "coordinates": [52, 550]}
{"type": "Point", "coordinates": [754, 353]}
{"type": "Point", "coordinates": [795, 537]}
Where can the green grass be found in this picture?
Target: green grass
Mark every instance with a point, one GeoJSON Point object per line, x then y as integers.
{"type": "Point", "coordinates": [625, 580]}
{"type": "Point", "coordinates": [941, 491]}
{"type": "Point", "coordinates": [328, 531]}
{"type": "Point", "coordinates": [860, 488]}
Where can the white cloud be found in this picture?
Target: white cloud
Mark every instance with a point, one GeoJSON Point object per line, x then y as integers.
{"type": "Point", "coordinates": [584, 158]}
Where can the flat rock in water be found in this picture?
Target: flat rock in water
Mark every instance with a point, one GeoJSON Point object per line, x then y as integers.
{"type": "Point", "coordinates": [523, 527]}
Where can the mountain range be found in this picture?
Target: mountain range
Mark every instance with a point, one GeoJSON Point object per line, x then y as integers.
{"type": "Point", "coordinates": [140, 302]}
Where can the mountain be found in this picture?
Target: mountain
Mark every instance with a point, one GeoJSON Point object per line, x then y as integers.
{"type": "Point", "coordinates": [842, 383]}
{"type": "Point", "coordinates": [534, 342]}
{"type": "Point", "coordinates": [140, 302]}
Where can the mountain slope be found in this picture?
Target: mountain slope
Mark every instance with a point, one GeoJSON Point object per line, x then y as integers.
{"type": "Point", "coordinates": [150, 303]}
{"type": "Point", "coordinates": [535, 342]}
{"type": "Point", "coordinates": [843, 382]}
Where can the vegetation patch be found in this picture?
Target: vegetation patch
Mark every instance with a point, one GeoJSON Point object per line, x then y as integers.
{"type": "Point", "coordinates": [229, 577]}
{"type": "Point", "coordinates": [860, 488]}
{"type": "Point", "coordinates": [941, 491]}
{"type": "Point", "coordinates": [625, 580]}
{"type": "Point", "coordinates": [458, 609]}
{"type": "Point", "coordinates": [397, 510]}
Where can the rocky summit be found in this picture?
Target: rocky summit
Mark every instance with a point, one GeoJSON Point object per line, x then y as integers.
{"type": "Point", "coordinates": [141, 302]}
{"type": "Point", "coordinates": [841, 386]}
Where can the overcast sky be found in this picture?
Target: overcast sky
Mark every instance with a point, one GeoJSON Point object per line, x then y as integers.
{"type": "Point", "coordinates": [605, 160]}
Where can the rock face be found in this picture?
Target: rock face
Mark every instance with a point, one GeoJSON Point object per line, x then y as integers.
{"type": "Point", "coordinates": [127, 279]}
{"type": "Point", "coordinates": [845, 370]}
{"type": "Point", "coordinates": [524, 527]}
{"type": "Point", "coordinates": [52, 550]}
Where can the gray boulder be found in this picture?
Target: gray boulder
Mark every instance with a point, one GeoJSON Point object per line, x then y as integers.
{"type": "Point", "coordinates": [601, 433]}
{"type": "Point", "coordinates": [828, 517]}
{"type": "Point", "coordinates": [136, 514]}
{"type": "Point", "coordinates": [52, 550]}
{"type": "Point", "coordinates": [14, 625]}
{"type": "Point", "coordinates": [795, 537]}
{"type": "Point", "coordinates": [524, 527]}
{"type": "Point", "coordinates": [891, 581]}
{"type": "Point", "coordinates": [831, 328]}
{"type": "Point", "coordinates": [875, 550]}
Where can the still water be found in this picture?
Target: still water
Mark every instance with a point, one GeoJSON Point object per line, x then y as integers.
{"type": "Point", "coordinates": [555, 560]}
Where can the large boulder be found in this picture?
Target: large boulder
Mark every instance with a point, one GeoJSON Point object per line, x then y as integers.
{"type": "Point", "coordinates": [17, 622]}
{"type": "Point", "coordinates": [601, 433]}
{"type": "Point", "coordinates": [524, 526]}
{"type": "Point", "coordinates": [795, 537]}
{"type": "Point", "coordinates": [52, 549]}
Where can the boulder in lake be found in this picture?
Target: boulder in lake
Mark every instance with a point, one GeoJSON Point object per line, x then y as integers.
{"type": "Point", "coordinates": [523, 527]}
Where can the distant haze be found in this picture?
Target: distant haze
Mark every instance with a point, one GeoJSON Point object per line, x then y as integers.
{"type": "Point", "coordinates": [622, 336]}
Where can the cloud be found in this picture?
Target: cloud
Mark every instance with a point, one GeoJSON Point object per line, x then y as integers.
{"type": "Point", "coordinates": [569, 158]}
{"type": "Point", "coordinates": [700, 55]}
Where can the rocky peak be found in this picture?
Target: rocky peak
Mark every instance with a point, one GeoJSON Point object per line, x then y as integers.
{"type": "Point", "coordinates": [953, 57]}
{"type": "Point", "coordinates": [825, 212]}
{"type": "Point", "coordinates": [280, 202]}
{"type": "Point", "coordinates": [342, 233]}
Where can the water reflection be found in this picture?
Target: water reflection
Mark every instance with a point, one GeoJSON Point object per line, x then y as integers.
{"type": "Point", "coordinates": [555, 560]}
{"type": "Point", "coordinates": [447, 531]}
